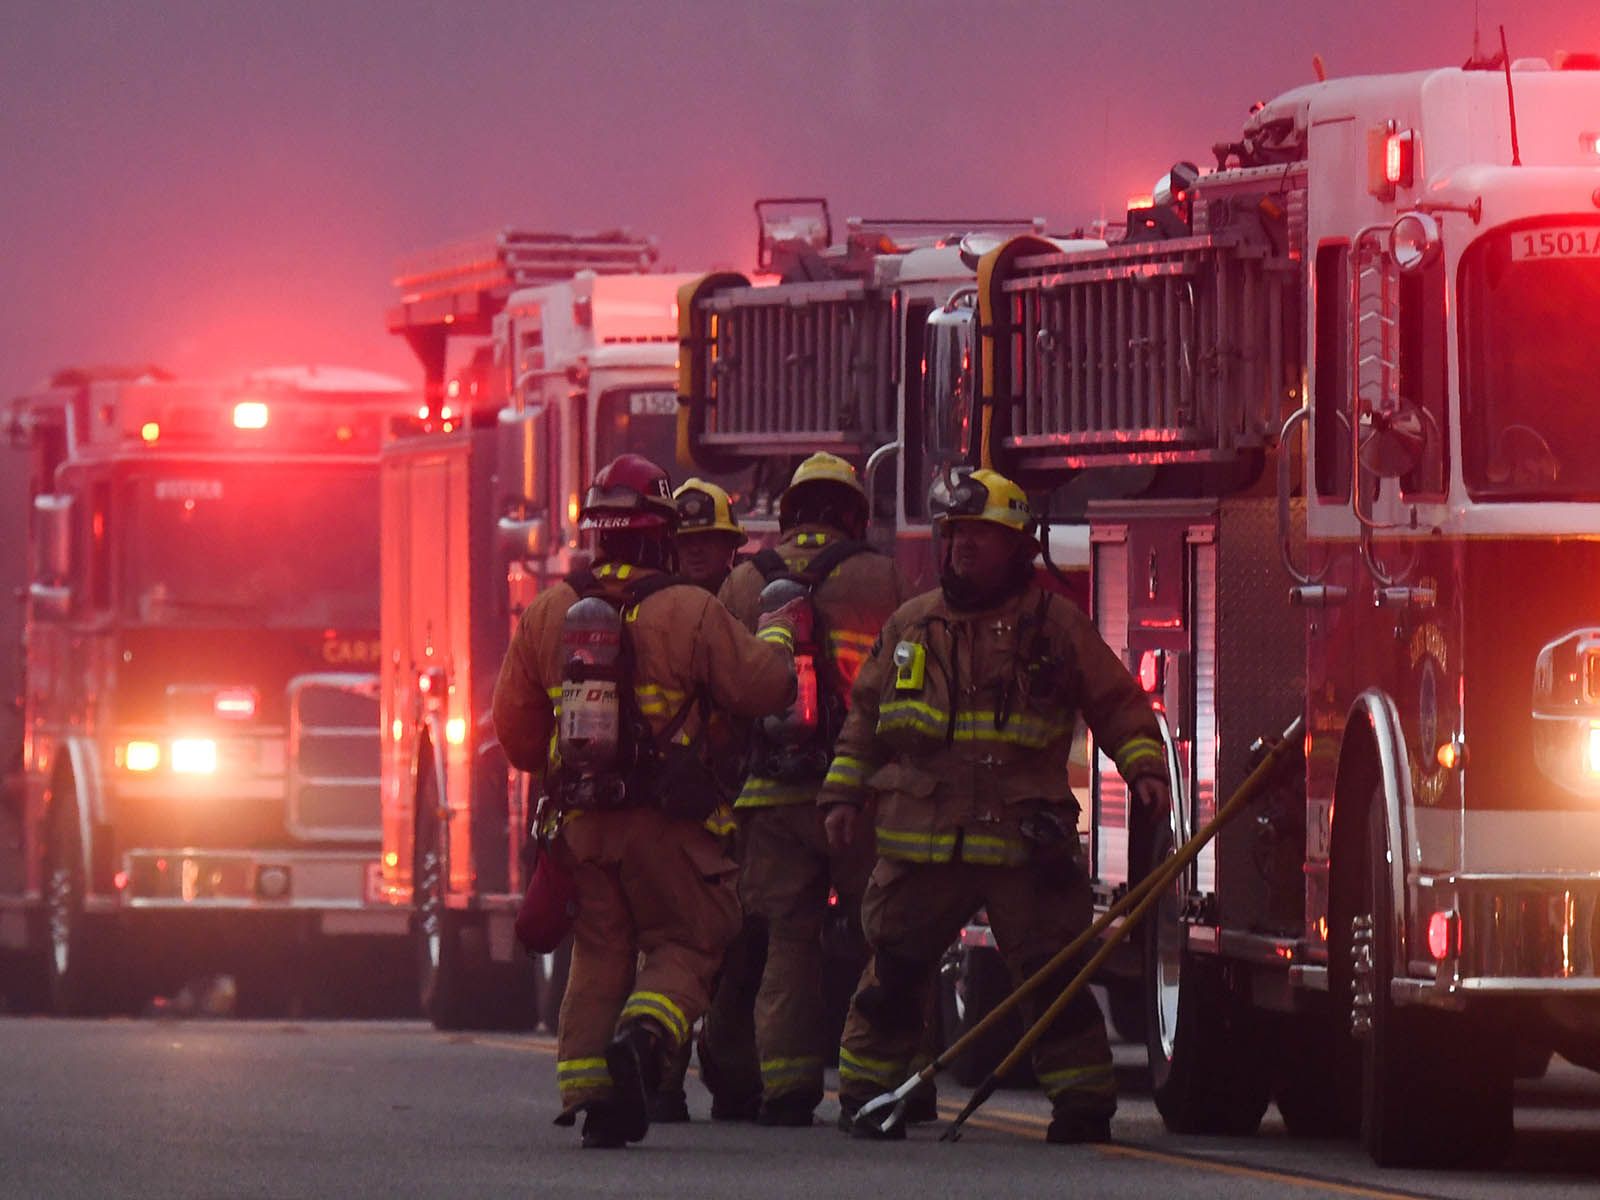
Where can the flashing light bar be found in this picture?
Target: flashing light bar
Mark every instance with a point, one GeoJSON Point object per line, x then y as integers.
{"type": "Point", "coordinates": [235, 704]}
{"type": "Point", "coordinates": [1591, 760]}
{"type": "Point", "coordinates": [249, 414]}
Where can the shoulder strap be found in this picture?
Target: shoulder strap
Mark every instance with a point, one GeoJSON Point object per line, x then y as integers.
{"type": "Point", "coordinates": [582, 581]}
{"type": "Point", "coordinates": [770, 563]}
{"type": "Point", "coordinates": [831, 557]}
{"type": "Point", "coordinates": [638, 590]}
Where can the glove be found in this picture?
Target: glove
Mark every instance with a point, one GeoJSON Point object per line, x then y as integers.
{"type": "Point", "coordinates": [794, 616]}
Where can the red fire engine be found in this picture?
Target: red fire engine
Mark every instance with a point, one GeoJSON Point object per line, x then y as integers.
{"type": "Point", "coordinates": [545, 355]}
{"type": "Point", "coordinates": [195, 772]}
{"type": "Point", "coordinates": [1342, 385]}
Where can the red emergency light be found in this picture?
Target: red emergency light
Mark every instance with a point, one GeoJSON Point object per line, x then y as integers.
{"type": "Point", "coordinates": [1391, 159]}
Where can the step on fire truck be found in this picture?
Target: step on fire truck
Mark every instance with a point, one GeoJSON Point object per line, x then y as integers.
{"type": "Point", "coordinates": [545, 355]}
{"type": "Point", "coordinates": [1346, 378]}
{"type": "Point", "coordinates": [193, 784]}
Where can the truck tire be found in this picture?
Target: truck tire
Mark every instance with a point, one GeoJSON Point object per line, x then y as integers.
{"type": "Point", "coordinates": [1317, 1077]}
{"type": "Point", "coordinates": [81, 970]}
{"type": "Point", "coordinates": [1125, 999]}
{"type": "Point", "coordinates": [1209, 1068]}
{"type": "Point", "coordinates": [459, 986]}
{"type": "Point", "coordinates": [971, 982]}
{"type": "Point", "coordinates": [1425, 1101]}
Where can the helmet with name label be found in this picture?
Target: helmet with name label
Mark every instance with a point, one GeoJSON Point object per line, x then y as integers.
{"type": "Point", "coordinates": [630, 492]}
{"type": "Point", "coordinates": [982, 495]}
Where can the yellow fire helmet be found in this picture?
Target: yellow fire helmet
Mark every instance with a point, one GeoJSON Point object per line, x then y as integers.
{"type": "Point", "coordinates": [703, 507]}
{"type": "Point", "coordinates": [982, 495]}
{"type": "Point", "coordinates": [822, 471]}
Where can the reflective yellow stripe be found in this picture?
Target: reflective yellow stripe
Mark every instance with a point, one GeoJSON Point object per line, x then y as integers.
{"type": "Point", "coordinates": [884, 1072]}
{"type": "Point", "coordinates": [777, 1072]}
{"type": "Point", "coordinates": [778, 635]}
{"type": "Point", "coordinates": [1031, 732]}
{"type": "Point", "coordinates": [1139, 750]}
{"type": "Point", "coordinates": [916, 846]}
{"type": "Point", "coordinates": [847, 772]}
{"type": "Point", "coordinates": [772, 793]}
{"type": "Point", "coordinates": [582, 1075]}
{"type": "Point", "coordinates": [1098, 1080]}
{"type": "Point", "coordinates": [720, 823]}
{"type": "Point", "coordinates": [660, 1008]}
{"type": "Point", "coordinates": [989, 850]}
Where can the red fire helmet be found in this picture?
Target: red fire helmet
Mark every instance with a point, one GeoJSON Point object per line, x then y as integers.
{"type": "Point", "coordinates": [629, 492]}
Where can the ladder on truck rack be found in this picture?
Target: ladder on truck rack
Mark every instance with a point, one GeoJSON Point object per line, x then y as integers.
{"type": "Point", "coordinates": [795, 368]}
{"type": "Point", "coordinates": [1154, 352]}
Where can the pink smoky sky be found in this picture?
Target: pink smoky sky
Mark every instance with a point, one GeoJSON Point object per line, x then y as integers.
{"type": "Point", "coordinates": [221, 184]}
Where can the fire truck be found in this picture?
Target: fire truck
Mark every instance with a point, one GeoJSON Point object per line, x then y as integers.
{"type": "Point", "coordinates": [544, 356]}
{"type": "Point", "coordinates": [1343, 383]}
{"type": "Point", "coordinates": [193, 783]}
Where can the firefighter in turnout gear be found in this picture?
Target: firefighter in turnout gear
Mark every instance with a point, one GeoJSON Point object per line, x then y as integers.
{"type": "Point", "coordinates": [787, 868]}
{"type": "Point", "coordinates": [959, 731]}
{"type": "Point", "coordinates": [708, 537]}
{"type": "Point", "coordinates": [708, 534]}
{"type": "Point", "coordinates": [628, 798]}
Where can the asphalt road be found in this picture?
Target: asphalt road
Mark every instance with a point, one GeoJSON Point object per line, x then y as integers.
{"type": "Point", "coordinates": [226, 1108]}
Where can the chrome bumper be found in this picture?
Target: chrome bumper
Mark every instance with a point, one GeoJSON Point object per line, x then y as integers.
{"type": "Point", "coordinates": [192, 879]}
{"type": "Point", "coordinates": [1519, 935]}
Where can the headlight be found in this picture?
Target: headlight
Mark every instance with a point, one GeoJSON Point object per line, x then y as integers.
{"type": "Point", "coordinates": [139, 756]}
{"type": "Point", "coordinates": [1566, 711]}
{"type": "Point", "coordinates": [194, 756]}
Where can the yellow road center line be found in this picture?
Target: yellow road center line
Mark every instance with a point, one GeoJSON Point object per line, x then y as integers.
{"type": "Point", "coordinates": [1005, 1120]}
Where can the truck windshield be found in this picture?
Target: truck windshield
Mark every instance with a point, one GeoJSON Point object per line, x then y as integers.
{"type": "Point", "coordinates": [645, 421]}
{"type": "Point", "coordinates": [1530, 378]}
{"type": "Point", "coordinates": [267, 547]}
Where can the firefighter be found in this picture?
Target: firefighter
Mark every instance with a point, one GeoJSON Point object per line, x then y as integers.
{"type": "Point", "coordinates": [708, 533]}
{"type": "Point", "coordinates": [622, 664]}
{"type": "Point", "coordinates": [787, 868]}
{"type": "Point", "coordinates": [960, 729]}
{"type": "Point", "coordinates": [708, 537]}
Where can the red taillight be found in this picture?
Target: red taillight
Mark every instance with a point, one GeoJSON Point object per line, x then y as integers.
{"type": "Point", "coordinates": [1393, 159]}
{"type": "Point", "coordinates": [1151, 671]}
{"type": "Point", "coordinates": [1444, 935]}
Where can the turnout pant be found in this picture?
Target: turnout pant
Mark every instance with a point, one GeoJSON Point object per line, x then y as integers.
{"type": "Point", "coordinates": [913, 911]}
{"type": "Point", "coordinates": [785, 877]}
{"type": "Point", "coordinates": [657, 907]}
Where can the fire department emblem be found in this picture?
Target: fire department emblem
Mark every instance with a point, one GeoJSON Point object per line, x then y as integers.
{"type": "Point", "coordinates": [1428, 655]}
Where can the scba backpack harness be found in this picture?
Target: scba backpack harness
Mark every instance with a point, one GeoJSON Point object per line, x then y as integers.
{"type": "Point", "coordinates": [608, 755]}
{"type": "Point", "coordinates": [797, 745]}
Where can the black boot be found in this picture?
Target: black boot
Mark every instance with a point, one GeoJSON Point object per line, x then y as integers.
{"type": "Point", "coordinates": [793, 1110]}
{"type": "Point", "coordinates": [669, 1108]}
{"type": "Point", "coordinates": [1071, 1129]}
{"type": "Point", "coordinates": [922, 1106]}
{"type": "Point", "coordinates": [602, 1130]}
{"type": "Point", "coordinates": [634, 1060]}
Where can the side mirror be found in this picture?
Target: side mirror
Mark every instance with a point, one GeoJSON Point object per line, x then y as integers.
{"type": "Point", "coordinates": [521, 459]}
{"type": "Point", "coordinates": [1392, 443]}
{"type": "Point", "coordinates": [522, 539]}
{"type": "Point", "coordinates": [949, 382]}
{"type": "Point", "coordinates": [52, 538]}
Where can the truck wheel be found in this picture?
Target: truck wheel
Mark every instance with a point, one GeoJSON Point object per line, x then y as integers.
{"type": "Point", "coordinates": [553, 971]}
{"type": "Point", "coordinates": [1126, 1000]}
{"type": "Point", "coordinates": [971, 982]}
{"type": "Point", "coordinates": [81, 973]}
{"type": "Point", "coordinates": [1208, 1064]}
{"type": "Point", "coordinates": [443, 987]}
{"type": "Point", "coordinates": [1424, 1100]}
{"type": "Point", "coordinates": [1318, 1077]}
{"type": "Point", "coordinates": [460, 987]}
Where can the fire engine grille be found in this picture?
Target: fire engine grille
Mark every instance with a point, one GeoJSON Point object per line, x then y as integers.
{"type": "Point", "coordinates": [334, 752]}
{"type": "Point", "coordinates": [799, 367]}
{"type": "Point", "coordinates": [1176, 349]}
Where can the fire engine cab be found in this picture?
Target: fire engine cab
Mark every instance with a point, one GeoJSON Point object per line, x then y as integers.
{"type": "Point", "coordinates": [195, 776]}
{"type": "Point", "coordinates": [545, 356]}
{"type": "Point", "coordinates": [1340, 390]}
